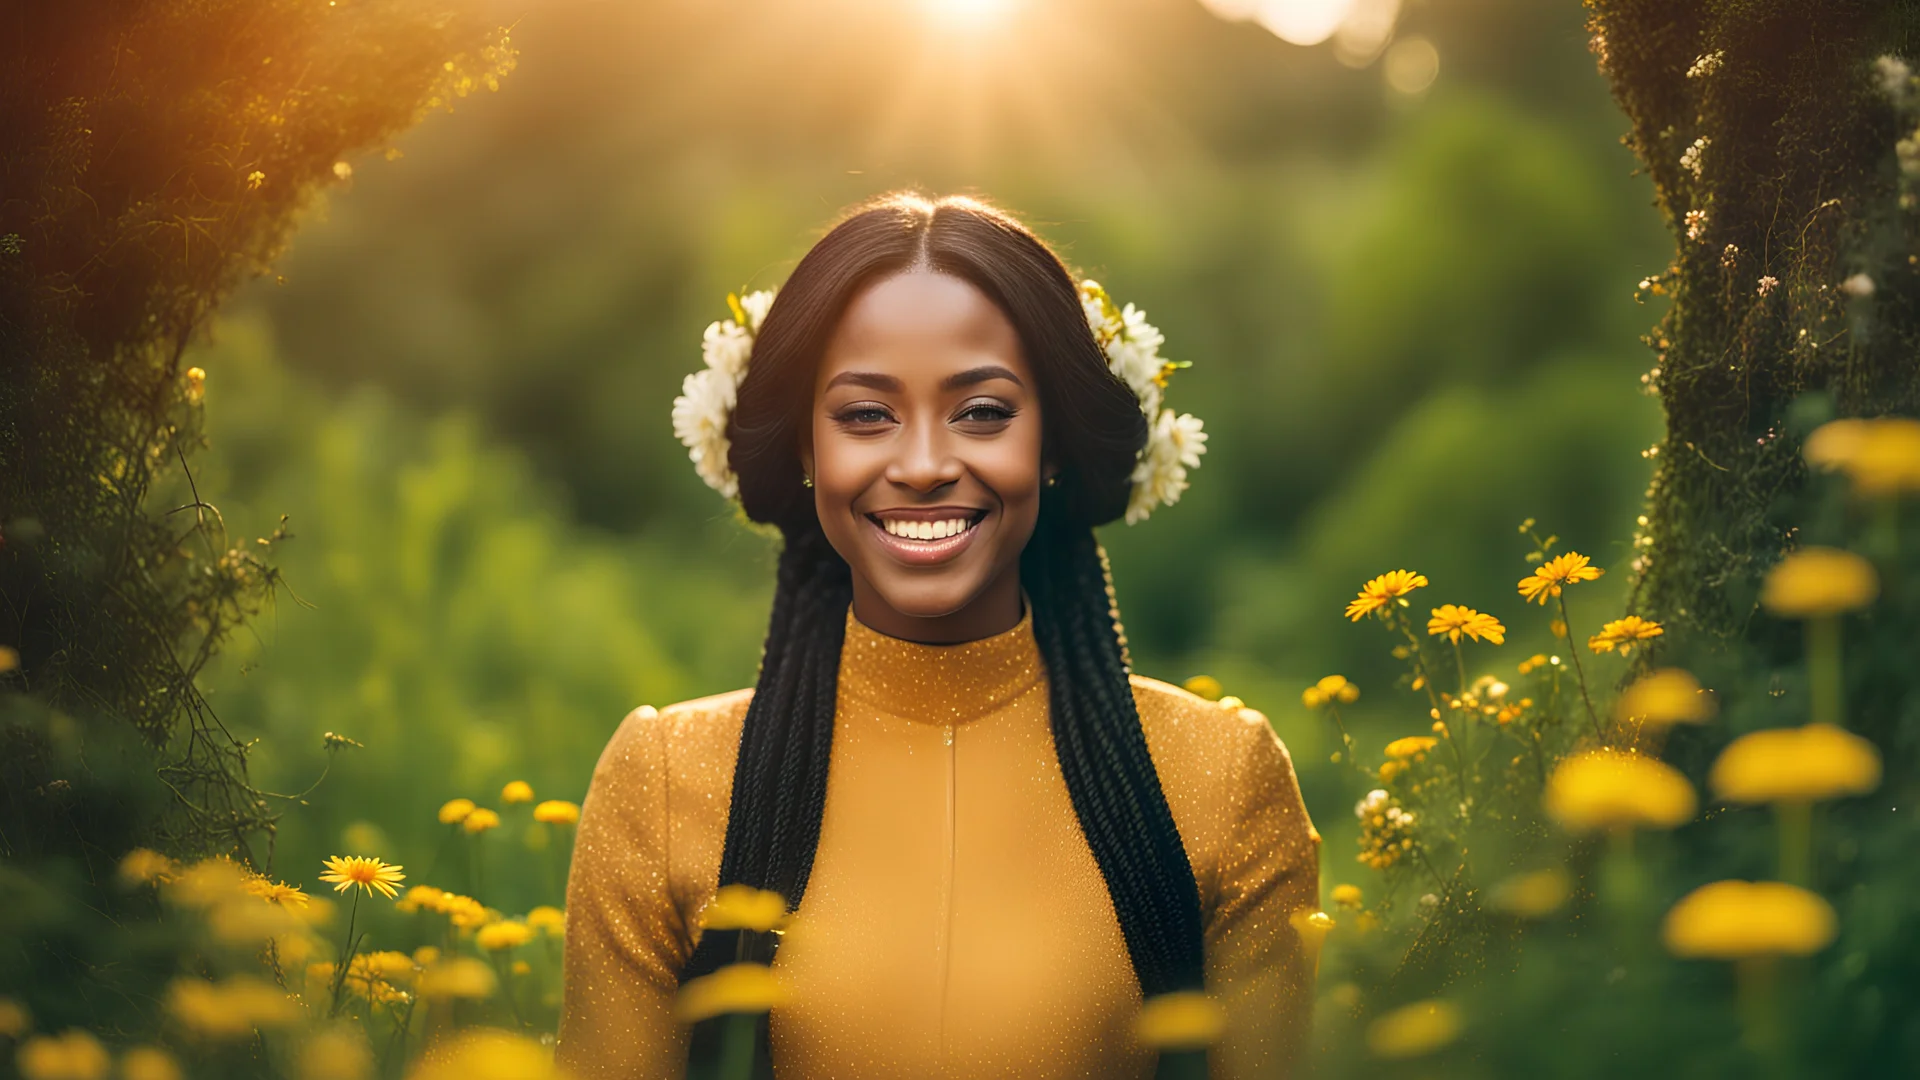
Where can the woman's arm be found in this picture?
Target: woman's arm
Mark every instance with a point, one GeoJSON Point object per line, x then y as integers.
{"type": "Point", "coordinates": [1257, 966]}
{"type": "Point", "coordinates": [626, 939]}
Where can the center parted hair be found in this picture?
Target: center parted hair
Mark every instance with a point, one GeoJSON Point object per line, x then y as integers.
{"type": "Point", "coordinates": [1093, 432]}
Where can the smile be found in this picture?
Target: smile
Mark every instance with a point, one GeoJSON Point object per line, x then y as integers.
{"type": "Point", "coordinates": [922, 540]}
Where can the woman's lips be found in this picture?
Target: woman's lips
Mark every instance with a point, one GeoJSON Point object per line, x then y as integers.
{"type": "Point", "coordinates": [924, 552]}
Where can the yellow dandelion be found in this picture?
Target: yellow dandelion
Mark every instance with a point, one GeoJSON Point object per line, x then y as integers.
{"type": "Point", "coordinates": [1411, 746]}
{"type": "Point", "coordinates": [1388, 588]}
{"type": "Point", "coordinates": [339, 1053]}
{"type": "Point", "coordinates": [344, 872]}
{"type": "Point", "coordinates": [1182, 1020]}
{"type": "Point", "coordinates": [1205, 686]}
{"type": "Point", "coordinates": [420, 896]}
{"type": "Point", "coordinates": [459, 977]}
{"type": "Point", "coordinates": [1533, 663]}
{"type": "Point", "coordinates": [278, 892]}
{"type": "Point", "coordinates": [1880, 456]}
{"type": "Point", "coordinates": [548, 920]}
{"type": "Point", "coordinates": [1555, 574]}
{"type": "Point", "coordinates": [149, 1063]}
{"type": "Point", "coordinates": [503, 935]}
{"type": "Point", "coordinates": [15, 1020]}
{"type": "Point", "coordinates": [233, 1009]}
{"type": "Point", "coordinates": [517, 791]}
{"type": "Point", "coordinates": [387, 964]}
{"type": "Point", "coordinates": [72, 1055]}
{"type": "Point", "coordinates": [1533, 895]}
{"type": "Point", "coordinates": [557, 812]}
{"type": "Point", "coordinates": [9, 658]}
{"type": "Point", "coordinates": [1612, 789]}
{"type": "Point", "coordinates": [455, 811]}
{"type": "Point", "coordinates": [487, 1054]}
{"type": "Point", "coordinates": [1738, 920]}
{"type": "Point", "coordinates": [480, 821]}
{"type": "Point", "coordinates": [1624, 634]}
{"type": "Point", "coordinates": [143, 867]}
{"type": "Point", "coordinates": [255, 179]}
{"type": "Point", "coordinates": [1415, 1030]}
{"type": "Point", "coordinates": [196, 385]}
{"type": "Point", "coordinates": [742, 907]}
{"type": "Point", "coordinates": [1818, 581]}
{"type": "Point", "coordinates": [1802, 764]}
{"type": "Point", "coordinates": [426, 955]}
{"type": "Point", "coordinates": [1347, 896]}
{"type": "Point", "coordinates": [521, 967]}
{"type": "Point", "coordinates": [735, 988]}
{"type": "Point", "coordinates": [1667, 696]}
{"type": "Point", "coordinates": [1454, 620]}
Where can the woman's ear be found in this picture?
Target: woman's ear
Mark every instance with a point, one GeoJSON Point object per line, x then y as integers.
{"type": "Point", "coordinates": [1049, 474]}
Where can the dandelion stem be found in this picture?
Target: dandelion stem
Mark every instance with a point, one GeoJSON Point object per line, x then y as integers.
{"type": "Point", "coordinates": [1794, 820]}
{"type": "Point", "coordinates": [1579, 673]}
{"type": "Point", "coordinates": [346, 960]}
{"type": "Point", "coordinates": [1823, 668]}
{"type": "Point", "coordinates": [1460, 665]}
{"type": "Point", "coordinates": [736, 1047]}
{"type": "Point", "coordinates": [1419, 658]}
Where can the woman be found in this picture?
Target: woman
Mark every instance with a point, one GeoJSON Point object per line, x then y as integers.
{"type": "Point", "coordinates": [1017, 841]}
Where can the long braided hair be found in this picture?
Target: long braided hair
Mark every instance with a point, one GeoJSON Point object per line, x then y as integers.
{"type": "Point", "coordinates": [1092, 431]}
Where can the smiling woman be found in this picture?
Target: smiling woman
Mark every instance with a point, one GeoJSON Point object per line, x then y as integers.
{"type": "Point", "coordinates": [996, 843]}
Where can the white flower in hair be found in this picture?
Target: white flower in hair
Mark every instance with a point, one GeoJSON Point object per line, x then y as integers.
{"type": "Point", "coordinates": [707, 396]}
{"type": "Point", "coordinates": [1174, 445]}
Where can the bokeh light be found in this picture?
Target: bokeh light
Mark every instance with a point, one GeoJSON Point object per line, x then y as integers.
{"type": "Point", "coordinates": [1411, 65]}
{"type": "Point", "coordinates": [1303, 22]}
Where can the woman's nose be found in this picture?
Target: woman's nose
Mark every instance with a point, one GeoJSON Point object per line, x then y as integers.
{"type": "Point", "coordinates": [925, 460]}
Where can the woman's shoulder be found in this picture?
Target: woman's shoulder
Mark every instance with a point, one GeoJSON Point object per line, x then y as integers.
{"type": "Point", "coordinates": [1182, 716]}
{"type": "Point", "coordinates": [685, 730]}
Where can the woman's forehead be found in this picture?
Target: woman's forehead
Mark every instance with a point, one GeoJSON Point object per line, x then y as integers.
{"type": "Point", "coordinates": [921, 315]}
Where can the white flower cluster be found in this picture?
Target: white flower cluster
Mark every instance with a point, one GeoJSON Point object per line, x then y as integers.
{"type": "Point", "coordinates": [1130, 342]}
{"type": "Point", "coordinates": [707, 396]}
{"type": "Point", "coordinates": [1174, 443]}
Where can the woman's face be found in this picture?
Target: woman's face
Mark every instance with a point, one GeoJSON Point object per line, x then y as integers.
{"type": "Point", "coordinates": [925, 457]}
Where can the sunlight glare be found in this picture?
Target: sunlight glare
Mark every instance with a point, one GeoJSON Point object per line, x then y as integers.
{"type": "Point", "coordinates": [1303, 22]}
{"type": "Point", "coordinates": [968, 12]}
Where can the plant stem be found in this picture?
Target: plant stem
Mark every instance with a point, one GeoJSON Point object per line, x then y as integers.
{"type": "Point", "coordinates": [1823, 668]}
{"type": "Point", "coordinates": [346, 960]}
{"type": "Point", "coordinates": [1460, 665]}
{"type": "Point", "coordinates": [736, 1046]}
{"type": "Point", "coordinates": [1795, 823]}
{"type": "Point", "coordinates": [1573, 650]}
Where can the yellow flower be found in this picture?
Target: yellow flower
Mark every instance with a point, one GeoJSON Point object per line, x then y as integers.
{"type": "Point", "coordinates": [388, 964]}
{"type": "Point", "coordinates": [232, 1009]}
{"type": "Point", "coordinates": [506, 934]}
{"type": "Point", "coordinates": [244, 919]}
{"type": "Point", "coordinates": [1612, 789]}
{"type": "Point", "coordinates": [1410, 747]}
{"type": "Point", "coordinates": [144, 867]}
{"type": "Point", "coordinates": [487, 1054]}
{"type": "Point", "coordinates": [465, 912]}
{"type": "Point", "coordinates": [455, 811]}
{"type": "Point", "coordinates": [1415, 1030]}
{"type": "Point", "coordinates": [278, 892]}
{"type": "Point", "coordinates": [426, 955]}
{"type": "Point", "coordinates": [1537, 660]}
{"type": "Point", "coordinates": [742, 907]}
{"type": "Point", "coordinates": [1817, 581]}
{"type": "Point", "coordinates": [521, 967]}
{"type": "Point", "coordinates": [339, 1053]}
{"type": "Point", "coordinates": [1880, 456]}
{"type": "Point", "coordinates": [1205, 686]}
{"type": "Point", "coordinates": [1454, 620]}
{"type": "Point", "coordinates": [735, 988]}
{"type": "Point", "coordinates": [1556, 573]}
{"type": "Point", "coordinates": [1386, 589]}
{"type": "Point", "coordinates": [208, 882]}
{"type": "Point", "coordinates": [459, 977]}
{"type": "Point", "coordinates": [1735, 920]}
{"type": "Point", "coordinates": [1532, 895]}
{"type": "Point", "coordinates": [72, 1055]}
{"type": "Point", "coordinates": [15, 1020]}
{"type": "Point", "coordinates": [344, 872]}
{"type": "Point", "coordinates": [557, 812]}
{"type": "Point", "coordinates": [480, 821]}
{"type": "Point", "coordinates": [517, 791]}
{"type": "Point", "coordinates": [1667, 696]}
{"type": "Point", "coordinates": [420, 896]}
{"type": "Point", "coordinates": [255, 179]}
{"type": "Point", "coordinates": [1347, 896]}
{"type": "Point", "coordinates": [1623, 634]}
{"type": "Point", "coordinates": [1803, 764]}
{"type": "Point", "coordinates": [149, 1063]}
{"type": "Point", "coordinates": [549, 920]}
{"type": "Point", "coordinates": [196, 385]}
{"type": "Point", "coordinates": [1182, 1020]}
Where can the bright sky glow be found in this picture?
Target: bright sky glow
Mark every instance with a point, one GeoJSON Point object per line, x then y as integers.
{"type": "Point", "coordinates": [1303, 22]}
{"type": "Point", "coordinates": [968, 12]}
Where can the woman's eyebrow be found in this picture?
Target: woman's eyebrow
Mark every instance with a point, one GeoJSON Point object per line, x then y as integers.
{"type": "Point", "coordinates": [869, 379]}
{"type": "Point", "coordinates": [974, 376]}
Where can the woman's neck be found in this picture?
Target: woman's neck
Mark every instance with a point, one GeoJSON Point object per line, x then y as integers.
{"type": "Point", "coordinates": [995, 610]}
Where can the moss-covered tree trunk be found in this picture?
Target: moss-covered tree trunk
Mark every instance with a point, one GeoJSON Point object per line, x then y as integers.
{"type": "Point", "coordinates": [1770, 129]}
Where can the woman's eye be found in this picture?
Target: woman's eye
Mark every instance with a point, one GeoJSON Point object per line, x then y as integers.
{"type": "Point", "coordinates": [986, 412]}
{"type": "Point", "coordinates": [862, 416]}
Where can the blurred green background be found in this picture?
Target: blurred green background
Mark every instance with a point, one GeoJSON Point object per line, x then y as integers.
{"type": "Point", "coordinates": [1400, 259]}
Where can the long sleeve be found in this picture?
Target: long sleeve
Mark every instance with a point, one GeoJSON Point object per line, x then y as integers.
{"type": "Point", "coordinates": [626, 937]}
{"type": "Point", "coordinates": [1269, 870]}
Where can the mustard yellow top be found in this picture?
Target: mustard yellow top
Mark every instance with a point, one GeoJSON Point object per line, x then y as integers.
{"type": "Point", "coordinates": [955, 923]}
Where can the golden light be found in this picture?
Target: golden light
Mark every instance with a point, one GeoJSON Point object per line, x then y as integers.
{"type": "Point", "coordinates": [1411, 65]}
{"type": "Point", "coordinates": [968, 12]}
{"type": "Point", "coordinates": [1303, 22]}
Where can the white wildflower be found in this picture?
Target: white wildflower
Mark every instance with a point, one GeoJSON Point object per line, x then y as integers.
{"type": "Point", "coordinates": [1895, 77]}
{"type": "Point", "coordinates": [725, 347]}
{"type": "Point", "coordinates": [1174, 445]}
{"type": "Point", "coordinates": [1706, 65]}
{"type": "Point", "coordinates": [1696, 224]}
{"type": "Point", "coordinates": [1690, 158]}
{"type": "Point", "coordinates": [700, 416]}
{"type": "Point", "coordinates": [1859, 286]}
{"type": "Point", "coordinates": [1767, 284]}
{"type": "Point", "coordinates": [756, 305]}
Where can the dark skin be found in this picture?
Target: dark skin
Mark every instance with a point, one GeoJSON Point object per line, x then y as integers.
{"type": "Point", "coordinates": [925, 454]}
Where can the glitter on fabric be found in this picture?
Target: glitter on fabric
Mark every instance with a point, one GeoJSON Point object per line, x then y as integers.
{"type": "Point", "coordinates": [956, 924]}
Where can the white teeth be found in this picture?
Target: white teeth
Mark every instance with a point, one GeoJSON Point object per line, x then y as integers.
{"type": "Point", "coordinates": [926, 530]}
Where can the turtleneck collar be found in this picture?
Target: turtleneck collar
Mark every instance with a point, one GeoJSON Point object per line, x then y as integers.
{"type": "Point", "coordinates": [939, 684]}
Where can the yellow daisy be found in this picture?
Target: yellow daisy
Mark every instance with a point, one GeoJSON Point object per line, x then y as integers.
{"type": "Point", "coordinates": [344, 872]}
{"type": "Point", "coordinates": [1454, 620]}
{"type": "Point", "coordinates": [1383, 590]}
{"type": "Point", "coordinates": [1624, 634]}
{"type": "Point", "coordinates": [1559, 571]}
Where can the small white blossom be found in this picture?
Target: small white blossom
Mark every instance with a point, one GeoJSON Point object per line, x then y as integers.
{"type": "Point", "coordinates": [1706, 65]}
{"type": "Point", "coordinates": [700, 416]}
{"type": "Point", "coordinates": [1690, 158]}
{"type": "Point", "coordinates": [1895, 77]}
{"type": "Point", "coordinates": [1174, 445]}
{"type": "Point", "coordinates": [756, 305]}
{"type": "Point", "coordinates": [1696, 224]}
{"type": "Point", "coordinates": [1767, 284]}
{"type": "Point", "coordinates": [1859, 286]}
{"type": "Point", "coordinates": [725, 347]}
